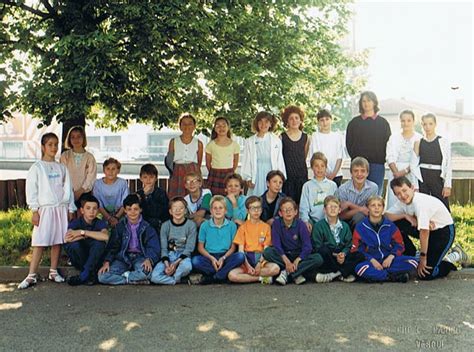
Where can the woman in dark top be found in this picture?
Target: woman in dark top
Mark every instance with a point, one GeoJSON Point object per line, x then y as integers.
{"type": "Point", "coordinates": [367, 136]}
{"type": "Point", "coordinates": [295, 150]}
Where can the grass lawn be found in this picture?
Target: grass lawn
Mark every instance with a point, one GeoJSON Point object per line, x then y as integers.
{"type": "Point", "coordinates": [15, 234]}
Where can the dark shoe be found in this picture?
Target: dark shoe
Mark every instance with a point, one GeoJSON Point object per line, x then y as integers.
{"type": "Point", "coordinates": [75, 281]}
{"type": "Point", "coordinates": [400, 277]}
{"type": "Point", "coordinates": [206, 280]}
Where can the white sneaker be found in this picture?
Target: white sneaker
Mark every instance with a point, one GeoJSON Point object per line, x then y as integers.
{"type": "Point", "coordinates": [349, 278]}
{"type": "Point", "coordinates": [266, 280]}
{"type": "Point", "coordinates": [30, 280]}
{"type": "Point", "coordinates": [300, 280]}
{"type": "Point", "coordinates": [126, 275]}
{"type": "Point", "coordinates": [323, 278]}
{"type": "Point", "coordinates": [465, 261]}
{"type": "Point", "coordinates": [282, 279]}
{"type": "Point", "coordinates": [55, 276]}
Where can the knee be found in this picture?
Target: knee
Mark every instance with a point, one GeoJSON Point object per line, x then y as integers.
{"type": "Point", "coordinates": [239, 257]}
{"type": "Point", "coordinates": [232, 276]}
{"type": "Point", "coordinates": [98, 245]}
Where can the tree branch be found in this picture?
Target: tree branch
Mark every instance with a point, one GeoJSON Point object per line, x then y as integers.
{"type": "Point", "coordinates": [52, 11]}
{"type": "Point", "coordinates": [26, 8]}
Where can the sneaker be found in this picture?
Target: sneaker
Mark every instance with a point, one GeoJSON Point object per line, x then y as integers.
{"type": "Point", "coordinates": [300, 280]}
{"type": "Point", "coordinates": [282, 279]}
{"type": "Point", "coordinates": [29, 281]}
{"type": "Point", "coordinates": [194, 279]}
{"type": "Point", "coordinates": [126, 275]}
{"type": "Point", "coordinates": [465, 260]}
{"type": "Point", "coordinates": [206, 280]}
{"type": "Point", "coordinates": [139, 282]}
{"type": "Point", "coordinates": [400, 277]}
{"type": "Point", "coordinates": [348, 278]}
{"type": "Point", "coordinates": [55, 276]}
{"type": "Point", "coordinates": [323, 278]}
{"type": "Point", "coordinates": [75, 281]}
{"type": "Point", "coordinates": [266, 280]}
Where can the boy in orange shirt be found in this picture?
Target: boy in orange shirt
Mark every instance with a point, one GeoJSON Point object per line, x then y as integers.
{"type": "Point", "coordinates": [252, 237]}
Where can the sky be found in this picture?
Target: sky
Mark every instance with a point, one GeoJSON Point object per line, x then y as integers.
{"type": "Point", "coordinates": [418, 50]}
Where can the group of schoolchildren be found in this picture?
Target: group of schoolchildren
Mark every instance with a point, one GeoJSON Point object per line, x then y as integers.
{"type": "Point", "coordinates": [284, 229]}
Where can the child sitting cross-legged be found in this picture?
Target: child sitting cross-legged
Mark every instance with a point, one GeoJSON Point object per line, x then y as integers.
{"type": "Point", "coordinates": [253, 236]}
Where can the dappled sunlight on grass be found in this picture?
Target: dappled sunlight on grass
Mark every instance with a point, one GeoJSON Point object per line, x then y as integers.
{"type": "Point", "coordinates": [383, 339]}
{"type": "Point", "coordinates": [206, 327]}
{"type": "Point", "coordinates": [8, 306]}
{"type": "Point", "coordinates": [229, 334]}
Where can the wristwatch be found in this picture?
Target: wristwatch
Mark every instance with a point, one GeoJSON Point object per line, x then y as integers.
{"type": "Point", "coordinates": [83, 233]}
{"type": "Point", "coordinates": [422, 254]}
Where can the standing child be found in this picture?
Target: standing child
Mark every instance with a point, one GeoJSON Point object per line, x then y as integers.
{"type": "Point", "coordinates": [80, 163]}
{"type": "Point", "coordinates": [332, 238]}
{"type": "Point", "coordinates": [291, 248]}
{"type": "Point", "coordinates": [222, 156]}
{"type": "Point", "coordinates": [433, 168]}
{"type": "Point", "coordinates": [217, 252]}
{"type": "Point", "coordinates": [330, 144]}
{"type": "Point", "coordinates": [295, 151]}
{"type": "Point", "coordinates": [235, 200]}
{"type": "Point", "coordinates": [111, 191]}
{"type": "Point", "coordinates": [178, 239]}
{"type": "Point", "coordinates": [252, 238]}
{"type": "Point", "coordinates": [262, 153]}
{"type": "Point", "coordinates": [380, 241]}
{"type": "Point", "coordinates": [272, 197]}
{"type": "Point", "coordinates": [315, 191]}
{"type": "Point", "coordinates": [197, 199]}
{"type": "Point", "coordinates": [133, 249]}
{"type": "Point", "coordinates": [49, 195]}
{"type": "Point", "coordinates": [187, 155]}
{"type": "Point", "coordinates": [153, 199]}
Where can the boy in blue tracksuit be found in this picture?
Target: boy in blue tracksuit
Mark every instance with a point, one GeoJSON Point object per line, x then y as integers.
{"type": "Point", "coordinates": [133, 249]}
{"type": "Point", "coordinates": [380, 241]}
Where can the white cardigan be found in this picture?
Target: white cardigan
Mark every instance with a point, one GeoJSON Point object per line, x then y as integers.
{"type": "Point", "coordinates": [249, 159]}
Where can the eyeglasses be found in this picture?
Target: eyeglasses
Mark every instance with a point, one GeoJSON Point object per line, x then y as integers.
{"type": "Point", "coordinates": [256, 208]}
{"type": "Point", "coordinates": [287, 210]}
{"type": "Point", "coordinates": [193, 182]}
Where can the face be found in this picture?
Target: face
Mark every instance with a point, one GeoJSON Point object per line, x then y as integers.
{"type": "Point", "coordinates": [76, 140]}
{"type": "Point", "coordinates": [187, 126]}
{"type": "Point", "coordinates": [178, 210]}
{"type": "Point", "coordinates": [50, 148]}
{"type": "Point", "coordinates": [148, 180]}
{"type": "Point", "coordinates": [324, 124]}
{"type": "Point", "coordinates": [233, 187]}
{"type": "Point", "coordinates": [218, 210]}
{"type": "Point", "coordinates": [332, 209]}
{"type": "Point", "coordinates": [192, 184]}
{"type": "Point", "coordinates": [255, 210]}
{"type": "Point", "coordinates": [275, 184]}
{"type": "Point", "coordinates": [319, 169]}
{"type": "Point", "coordinates": [294, 121]}
{"type": "Point", "coordinates": [90, 211]}
{"type": "Point", "coordinates": [407, 122]}
{"type": "Point", "coordinates": [264, 125]}
{"type": "Point", "coordinates": [404, 193]}
{"type": "Point", "coordinates": [367, 104]}
{"type": "Point", "coordinates": [111, 171]}
{"type": "Point", "coordinates": [375, 208]}
{"type": "Point", "coordinates": [429, 125]}
{"type": "Point", "coordinates": [221, 128]}
{"type": "Point", "coordinates": [288, 212]}
{"type": "Point", "coordinates": [133, 212]}
{"type": "Point", "coordinates": [359, 174]}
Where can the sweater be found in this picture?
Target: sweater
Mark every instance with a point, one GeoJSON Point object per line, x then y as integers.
{"type": "Point", "coordinates": [178, 238]}
{"type": "Point", "coordinates": [322, 236]}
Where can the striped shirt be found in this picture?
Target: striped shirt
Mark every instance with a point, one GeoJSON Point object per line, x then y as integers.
{"type": "Point", "coordinates": [348, 193]}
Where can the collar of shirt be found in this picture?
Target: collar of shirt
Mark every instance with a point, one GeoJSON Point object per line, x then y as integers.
{"type": "Point", "coordinates": [134, 227]}
{"type": "Point", "coordinates": [365, 117]}
{"type": "Point", "coordinates": [213, 224]}
{"type": "Point", "coordinates": [85, 226]}
{"type": "Point", "coordinates": [293, 224]}
{"type": "Point", "coordinates": [337, 225]}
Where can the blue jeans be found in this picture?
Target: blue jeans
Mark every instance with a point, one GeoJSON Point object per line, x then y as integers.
{"type": "Point", "coordinates": [115, 274]}
{"type": "Point", "coordinates": [86, 255]}
{"type": "Point", "coordinates": [204, 265]}
{"type": "Point", "coordinates": [377, 175]}
{"type": "Point", "coordinates": [158, 275]}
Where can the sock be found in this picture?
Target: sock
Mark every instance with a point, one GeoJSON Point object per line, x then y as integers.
{"type": "Point", "coordinates": [452, 257]}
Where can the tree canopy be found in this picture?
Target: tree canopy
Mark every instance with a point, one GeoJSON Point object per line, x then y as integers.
{"type": "Point", "coordinates": [148, 61]}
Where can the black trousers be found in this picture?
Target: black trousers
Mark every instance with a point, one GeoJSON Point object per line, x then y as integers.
{"type": "Point", "coordinates": [330, 264]}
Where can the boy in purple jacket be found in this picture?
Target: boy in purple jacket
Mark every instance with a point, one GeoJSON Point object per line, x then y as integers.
{"type": "Point", "coordinates": [291, 245]}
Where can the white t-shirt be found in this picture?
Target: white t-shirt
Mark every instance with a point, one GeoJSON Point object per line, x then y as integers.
{"type": "Point", "coordinates": [331, 145]}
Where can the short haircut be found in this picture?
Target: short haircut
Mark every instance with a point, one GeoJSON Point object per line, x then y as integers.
{"type": "Point", "coordinates": [218, 198]}
{"type": "Point", "coordinates": [361, 162]}
{"type": "Point", "coordinates": [177, 199]}
{"type": "Point", "coordinates": [288, 200]}
{"type": "Point", "coordinates": [193, 174]}
{"type": "Point", "coordinates": [399, 182]}
{"type": "Point", "coordinates": [149, 169]}
{"type": "Point", "coordinates": [292, 109]}
{"type": "Point", "coordinates": [251, 200]}
{"type": "Point", "coordinates": [109, 161]}
{"type": "Point", "coordinates": [319, 156]}
{"type": "Point", "coordinates": [407, 112]}
{"type": "Point", "coordinates": [264, 115]}
{"type": "Point", "coordinates": [275, 173]}
{"type": "Point", "coordinates": [371, 96]}
{"type": "Point", "coordinates": [428, 115]}
{"type": "Point", "coordinates": [88, 198]}
{"type": "Point", "coordinates": [331, 199]}
{"type": "Point", "coordinates": [220, 118]}
{"type": "Point", "coordinates": [77, 128]}
{"type": "Point", "coordinates": [234, 176]}
{"type": "Point", "coordinates": [374, 198]}
{"type": "Point", "coordinates": [186, 115]}
{"type": "Point", "coordinates": [131, 199]}
{"type": "Point", "coordinates": [323, 113]}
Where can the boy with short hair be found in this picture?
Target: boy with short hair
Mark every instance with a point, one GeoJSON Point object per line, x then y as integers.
{"type": "Point", "coordinates": [85, 241]}
{"type": "Point", "coordinates": [354, 193]}
{"type": "Point", "coordinates": [133, 249]}
{"type": "Point", "coordinates": [380, 241]}
{"type": "Point", "coordinates": [153, 199]}
{"type": "Point", "coordinates": [291, 249]}
{"type": "Point", "coordinates": [315, 191]}
{"type": "Point", "coordinates": [217, 251]}
{"type": "Point", "coordinates": [272, 197]}
{"type": "Point", "coordinates": [431, 221]}
{"type": "Point", "coordinates": [198, 198]}
{"type": "Point", "coordinates": [252, 237]}
{"type": "Point", "coordinates": [235, 200]}
{"type": "Point", "coordinates": [332, 239]}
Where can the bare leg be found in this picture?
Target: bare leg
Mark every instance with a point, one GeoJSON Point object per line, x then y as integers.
{"type": "Point", "coordinates": [35, 260]}
{"type": "Point", "coordinates": [55, 253]}
{"type": "Point", "coordinates": [237, 275]}
{"type": "Point", "coordinates": [270, 269]}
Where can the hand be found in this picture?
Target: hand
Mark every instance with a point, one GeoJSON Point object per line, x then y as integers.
{"type": "Point", "coordinates": [250, 269]}
{"type": "Point", "coordinates": [232, 199]}
{"type": "Point", "coordinates": [376, 264]}
{"type": "Point", "coordinates": [148, 189]}
{"type": "Point", "coordinates": [388, 261]}
{"type": "Point", "coordinates": [331, 175]}
{"type": "Point", "coordinates": [432, 226]}
{"type": "Point", "coordinates": [146, 265]}
{"type": "Point", "coordinates": [250, 184]}
{"type": "Point", "coordinates": [35, 219]}
{"type": "Point", "coordinates": [220, 263]}
{"type": "Point", "coordinates": [309, 226]}
{"type": "Point", "coordinates": [364, 210]}
{"type": "Point", "coordinates": [69, 237]}
{"type": "Point", "coordinates": [258, 269]}
{"type": "Point", "coordinates": [78, 193]}
{"type": "Point", "coordinates": [411, 219]}
{"type": "Point", "coordinates": [214, 263]}
{"type": "Point", "coordinates": [171, 269]}
{"type": "Point", "coordinates": [296, 262]}
{"type": "Point", "coordinates": [423, 269]}
{"type": "Point", "coordinates": [113, 221]}
{"type": "Point", "coordinates": [105, 268]}
{"type": "Point", "coordinates": [399, 174]}
{"type": "Point", "coordinates": [446, 192]}
{"type": "Point", "coordinates": [340, 258]}
{"type": "Point", "coordinates": [70, 216]}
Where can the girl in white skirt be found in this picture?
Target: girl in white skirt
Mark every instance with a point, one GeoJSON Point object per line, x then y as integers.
{"type": "Point", "coordinates": [49, 195]}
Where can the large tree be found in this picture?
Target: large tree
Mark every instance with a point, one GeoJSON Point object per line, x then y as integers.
{"type": "Point", "coordinates": [117, 61]}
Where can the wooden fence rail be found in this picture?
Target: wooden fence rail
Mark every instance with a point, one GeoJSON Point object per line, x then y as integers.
{"type": "Point", "coordinates": [12, 192]}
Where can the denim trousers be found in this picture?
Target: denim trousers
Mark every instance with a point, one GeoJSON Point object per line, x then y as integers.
{"type": "Point", "coordinates": [86, 255]}
{"type": "Point", "coordinates": [158, 275]}
{"type": "Point", "coordinates": [204, 265]}
{"type": "Point", "coordinates": [377, 175]}
{"type": "Point", "coordinates": [118, 267]}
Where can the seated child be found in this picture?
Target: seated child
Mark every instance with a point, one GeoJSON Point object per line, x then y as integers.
{"type": "Point", "coordinates": [217, 257]}
{"type": "Point", "coordinates": [252, 237]}
{"type": "Point", "coordinates": [291, 248]}
{"type": "Point", "coordinates": [354, 193]}
{"type": "Point", "coordinates": [111, 190]}
{"type": "Point", "coordinates": [197, 199]}
{"type": "Point", "coordinates": [380, 241]}
{"type": "Point", "coordinates": [153, 199]}
{"type": "Point", "coordinates": [332, 239]}
{"type": "Point", "coordinates": [85, 241]}
{"type": "Point", "coordinates": [235, 200]}
{"type": "Point", "coordinates": [315, 191]}
{"type": "Point", "coordinates": [178, 239]}
{"type": "Point", "coordinates": [272, 197]}
{"type": "Point", "coordinates": [134, 248]}
{"type": "Point", "coordinates": [429, 219]}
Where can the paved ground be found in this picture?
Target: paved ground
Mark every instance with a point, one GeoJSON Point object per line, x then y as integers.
{"type": "Point", "coordinates": [415, 316]}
